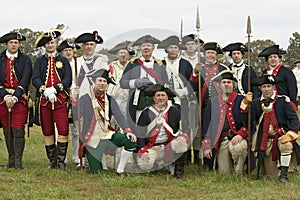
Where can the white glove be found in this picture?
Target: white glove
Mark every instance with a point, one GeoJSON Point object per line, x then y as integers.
{"type": "Point", "coordinates": [182, 92]}
{"type": "Point", "coordinates": [48, 91]}
{"type": "Point", "coordinates": [52, 98]}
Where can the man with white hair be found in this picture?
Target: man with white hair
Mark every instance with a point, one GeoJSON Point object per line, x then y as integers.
{"type": "Point", "coordinates": [224, 127]}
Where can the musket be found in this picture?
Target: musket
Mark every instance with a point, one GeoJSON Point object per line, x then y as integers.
{"type": "Point", "coordinates": [249, 89]}
{"type": "Point", "coordinates": [199, 79]}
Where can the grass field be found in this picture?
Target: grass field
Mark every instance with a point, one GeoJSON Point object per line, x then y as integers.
{"type": "Point", "coordinates": [37, 182]}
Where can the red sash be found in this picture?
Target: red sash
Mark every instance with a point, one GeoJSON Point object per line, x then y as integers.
{"type": "Point", "coordinates": [150, 71]}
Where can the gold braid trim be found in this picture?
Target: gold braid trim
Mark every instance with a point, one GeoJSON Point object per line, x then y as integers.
{"type": "Point", "coordinates": [158, 61]}
{"type": "Point", "coordinates": [133, 59]}
{"type": "Point", "coordinates": [61, 87]}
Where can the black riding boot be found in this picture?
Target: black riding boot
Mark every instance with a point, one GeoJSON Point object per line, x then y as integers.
{"type": "Point", "coordinates": [51, 154]}
{"type": "Point", "coordinates": [179, 165]}
{"type": "Point", "coordinates": [61, 154]}
{"type": "Point", "coordinates": [283, 178]}
{"type": "Point", "coordinates": [19, 144]}
{"type": "Point", "coordinates": [188, 159]}
{"type": "Point", "coordinates": [10, 148]}
{"type": "Point", "coordinates": [196, 157]}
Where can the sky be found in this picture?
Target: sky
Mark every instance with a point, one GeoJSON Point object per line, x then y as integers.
{"type": "Point", "coordinates": [220, 21]}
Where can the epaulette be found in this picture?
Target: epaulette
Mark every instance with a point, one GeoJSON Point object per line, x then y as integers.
{"type": "Point", "coordinates": [133, 59]}
{"type": "Point", "coordinates": [158, 61]}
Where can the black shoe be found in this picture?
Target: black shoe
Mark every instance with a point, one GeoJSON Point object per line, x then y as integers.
{"type": "Point", "coordinates": [178, 174]}
{"type": "Point", "coordinates": [121, 174]}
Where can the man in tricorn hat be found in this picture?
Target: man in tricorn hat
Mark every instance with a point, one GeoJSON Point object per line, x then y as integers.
{"type": "Point", "coordinates": [160, 135]}
{"type": "Point", "coordinates": [179, 71]}
{"type": "Point", "coordinates": [52, 78]}
{"type": "Point", "coordinates": [16, 71]}
{"type": "Point", "coordinates": [89, 59]}
{"type": "Point", "coordinates": [296, 72]}
{"type": "Point", "coordinates": [67, 49]}
{"type": "Point", "coordinates": [240, 68]}
{"type": "Point", "coordinates": [209, 89]}
{"type": "Point", "coordinates": [277, 126]}
{"type": "Point", "coordinates": [116, 69]}
{"type": "Point", "coordinates": [140, 73]}
{"type": "Point", "coordinates": [191, 54]}
{"type": "Point", "coordinates": [273, 55]}
{"type": "Point", "coordinates": [224, 130]}
{"type": "Point", "coordinates": [98, 135]}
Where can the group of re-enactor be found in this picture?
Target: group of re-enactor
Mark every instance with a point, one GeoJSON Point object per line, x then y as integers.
{"type": "Point", "coordinates": [150, 107]}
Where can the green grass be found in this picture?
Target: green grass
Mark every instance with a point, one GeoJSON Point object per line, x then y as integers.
{"type": "Point", "coordinates": [37, 182]}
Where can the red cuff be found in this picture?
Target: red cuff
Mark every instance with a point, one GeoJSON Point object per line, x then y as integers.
{"type": "Point", "coordinates": [187, 138]}
{"type": "Point", "coordinates": [142, 150]}
{"type": "Point", "coordinates": [206, 144]}
{"type": "Point", "coordinates": [127, 130]}
{"type": "Point", "coordinates": [243, 132]}
{"type": "Point", "coordinates": [194, 78]}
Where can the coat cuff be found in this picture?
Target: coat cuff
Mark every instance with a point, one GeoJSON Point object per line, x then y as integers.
{"type": "Point", "coordinates": [142, 150]}
{"type": "Point", "coordinates": [187, 138]}
{"type": "Point", "coordinates": [243, 132]}
{"type": "Point", "coordinates": [206, 144]}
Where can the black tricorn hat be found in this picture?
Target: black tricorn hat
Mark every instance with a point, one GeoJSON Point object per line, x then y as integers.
{"type": "Point", "coordinates": [123, 45]}
{"type": "Point", "coordinates": [190, 37]}
{"type": "Point", "coordinates": [146, 39]}
{"type": "Point", "coordinates": [225, 74]}
{"type": "Point", "coordinates": [12, 36]}
{"type": "Point", "coordinates": [171, 40]}
{"type": "Point", "coordinates": [46, 37]}
{"type": "Point", "coordinates": [212, 46]}
{"type": "Point", "coordinates": [271, 50]}
{"type": "Point", "coordinates": [67, 44]}
{"type": "Point", "coordinates": [89, 37]}
{"type": "Point", "coordinates": [150, 91]}
{"type": "Point", "coordinates": [238, 46]}
{"type": "Point", "coordinates": [297, 61]}
{"type": "Point", "coordinates": [95, 73]}
{"type": "Point", "coordinates": [266, 79]}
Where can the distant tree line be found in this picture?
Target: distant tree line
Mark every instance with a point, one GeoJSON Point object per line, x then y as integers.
{"type": "Point", "coordinates": [293, 50]}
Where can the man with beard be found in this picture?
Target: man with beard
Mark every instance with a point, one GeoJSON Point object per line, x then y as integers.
{"type": "Point", "coordinates": [224, 127]}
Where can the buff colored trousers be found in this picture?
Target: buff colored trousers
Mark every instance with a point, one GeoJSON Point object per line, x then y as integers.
{"type": "Point", "coordinates": [231, 157]}
{"type": "Point", "coordinates": [270, 166]}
